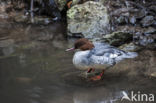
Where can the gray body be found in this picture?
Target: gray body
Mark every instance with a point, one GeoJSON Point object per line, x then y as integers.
{"type": "Point", "coordinates": [100, 57]}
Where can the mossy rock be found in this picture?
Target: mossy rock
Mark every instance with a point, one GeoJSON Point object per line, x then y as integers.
{"type": "Point", "coordinates": [118, 38]}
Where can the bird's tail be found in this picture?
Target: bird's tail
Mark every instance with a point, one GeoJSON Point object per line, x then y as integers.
{"type": "Point", "coordinates": [126, 55]}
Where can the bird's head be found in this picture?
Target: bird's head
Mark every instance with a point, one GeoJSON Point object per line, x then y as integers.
{"type": "Point", "coordinates": [82, 44]}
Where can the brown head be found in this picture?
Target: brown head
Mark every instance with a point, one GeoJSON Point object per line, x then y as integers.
{"type": "Point", "coordinates": [82, 44]}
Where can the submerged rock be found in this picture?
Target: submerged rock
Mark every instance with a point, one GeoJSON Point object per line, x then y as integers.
{"type": "Point", "coordinates": [6, 47]}
{"type": "Point", "coordinates": [86, 20]}
{"type": "Point", "coordinates": [6, 43]}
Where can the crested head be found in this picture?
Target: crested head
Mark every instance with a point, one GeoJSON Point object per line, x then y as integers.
{"type": "Point", "coordinates": [83, 44]}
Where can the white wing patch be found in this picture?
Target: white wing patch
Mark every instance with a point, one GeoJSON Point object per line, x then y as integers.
{"type": "Point", "coordinates": [113, 55]}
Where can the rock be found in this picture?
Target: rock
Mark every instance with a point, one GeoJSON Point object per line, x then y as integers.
{"type": "Point", "coordinates": [132, 20]}
{"type": "Point", "coordinates": [118, 38]}
{"type": "Point", "coordinates": [140, 14]}
{"type": "Point", "coordinates": [21, 18]}
{"type": "Point", "coordinates": [6, 47]}
{"type": "Point", "coordinates": [153, 74]}
{"type": "Point", "coordinates": [60, 4]}
{"type": "Point", "coordinates": [153, 8]}
{"type": "Point", "coordinates": [144, 41]}
{"type": "Point", "coordinates": [86, 20]}
{"type": "Point", "coordinates": [147, 21]}
{"type": "Point", "coordinates": [130, 47]}
{"type": "Point", "coordinates": [42, 20]}
{"type": "Point", "coordinates": [52, 9]}
{"type": "Point", "coordinates": [121, 20]}
{"type": "Point", "coordinates": [78, 1]}
{"type": "Point", "coordinates": [6, 43]}
{"type": "Point", "coordinates": [150, 30]}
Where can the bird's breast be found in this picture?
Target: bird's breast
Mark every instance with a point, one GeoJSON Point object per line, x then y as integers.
{"type": "Point", "coordinates": [80, 60]}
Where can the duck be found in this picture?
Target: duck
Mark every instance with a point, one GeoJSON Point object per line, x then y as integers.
{"type": "Point", "coordinates": [92, 56]}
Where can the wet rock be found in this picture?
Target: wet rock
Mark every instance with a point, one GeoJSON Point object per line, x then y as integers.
{"type": "Point", "coordinates": [37, 19]}
{"type": "Point", "coordinates": [153, 74]}
{"type": "Point", "coordinates": [6, 47]}
{"type": "Point", "coordinates": [119, 11]}
{"type": "Point", "coordinates": [21, 18]}
{"type": "Point", "coordinates": [42, 20]}
{"type": "Point", "coordinates": [60, 4]}
{"type": "Point", "coordinates": [132, 20]}
{"type": "Point", "coordinates": [8, 50]}
{"type": "Point", "coordinates": [6, 43]}
{"type": "Point", "coordinates": [150, 30]}
{"type": "Point", "coordinates": [118, 38]}
{"type": "Point", "coordinates": [86, 20]}
{"type": "Point", "coordinates": [140, 14]}
{"type": "Point", "coordinates": [130, 47]}
{"type": "Point", "coordinates": [50, 8]}
{"type": "Point", "coordinates": [143, 40]}
{"type": "Point", "coordinates": [147, 21]}
{"type": "Point", "coordinates": [121, 20]}
{"type": "Point", "coordinates": [153, 8]}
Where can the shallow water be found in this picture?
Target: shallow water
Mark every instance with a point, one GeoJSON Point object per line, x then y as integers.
{"type": "Point", "coordinates": [37, 72]}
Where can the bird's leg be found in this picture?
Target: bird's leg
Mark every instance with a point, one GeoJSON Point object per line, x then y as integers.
{"type": "Point", "coordinates": [90, 70]}
{"type": "Point", "coordinates": [97, 77]}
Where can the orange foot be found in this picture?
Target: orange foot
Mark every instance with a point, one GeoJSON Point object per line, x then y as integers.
{"type": "Point", "coordinates": [95, 78]}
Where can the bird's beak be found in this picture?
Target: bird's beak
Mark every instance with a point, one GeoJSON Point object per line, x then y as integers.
{"type": "Point", "coordinates": [70, 49]}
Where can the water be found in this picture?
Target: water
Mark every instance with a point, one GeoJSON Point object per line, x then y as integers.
{"type": "Point", "coordinates": [35, 71]}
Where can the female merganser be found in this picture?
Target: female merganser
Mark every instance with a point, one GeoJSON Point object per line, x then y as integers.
{"type": "Point", "coordinates": [92, 56]}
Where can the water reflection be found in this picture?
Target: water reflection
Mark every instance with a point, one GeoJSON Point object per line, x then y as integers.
{"type": "Point", "coordinates": [97, 95]}
{"type": "Point", "coordinates": [37, 72]}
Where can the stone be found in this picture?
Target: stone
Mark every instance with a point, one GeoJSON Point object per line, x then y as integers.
{"type": "Point", "coordinates": [118, 38]}
{"type": "Point", "coordinates": [21, 18]}
{"type": "Point", "coordinates": [150, 30]}
{"type": "Point", "coordinates": [153, 74]}
{"type": "Point", "coordinates": [121, 20]}
{"type": "Point", "coordinates": [132, 20]}
{"type": "Point", "coordinates": [153, 8]}
{"type": "Point", "coordinates": [147, 21]}
{"type": "Point", "coordinates": [86, 20]}
{"type": "Point", "coordinates": [129, 47]}
{"type": "Point", "coordinates": [60, 4]}
{"type": "Point", "coordinates": [6, 43]}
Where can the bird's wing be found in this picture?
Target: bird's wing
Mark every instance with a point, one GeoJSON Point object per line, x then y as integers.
{"type": "Point", "coordinates": [102, 49]}
{"type": "Point", "coordinates": [104, 54]}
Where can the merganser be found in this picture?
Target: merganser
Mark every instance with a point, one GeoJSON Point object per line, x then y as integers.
{"type": "Point", "coordinates": [95, 55]}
